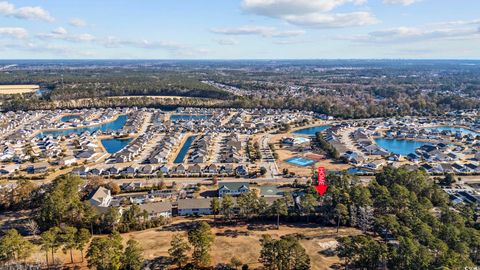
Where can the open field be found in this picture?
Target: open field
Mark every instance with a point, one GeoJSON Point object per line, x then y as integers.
{"type": "Point", "coordinates": [157, 97]}
{"type": "Point", "coordinates": [231, 241]}
{"type": "Point", "coordinates": [18, 89]}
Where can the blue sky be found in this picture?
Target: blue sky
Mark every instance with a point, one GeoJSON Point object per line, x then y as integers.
{"type": "Point", "coordinates": [239, 29]}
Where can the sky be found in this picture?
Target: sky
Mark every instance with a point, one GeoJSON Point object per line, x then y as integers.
{"type": "Point", "coordinates": [240, 29]}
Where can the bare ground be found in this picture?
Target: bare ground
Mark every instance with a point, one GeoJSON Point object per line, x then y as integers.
{"type": "Point", "coordinates": [231, 241]}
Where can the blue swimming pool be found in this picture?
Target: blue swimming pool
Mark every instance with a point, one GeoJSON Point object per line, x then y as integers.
{"type": "Point", "coordinates": [311, 131]}
{"type": "Point", "coordinates": [300, 161]}
{"type": "Point", "coordinates": [113, 126]}
{"type": "Point", "coordinates": [114, 145]}
{"type": "Point", "coordinates": [356, 171]}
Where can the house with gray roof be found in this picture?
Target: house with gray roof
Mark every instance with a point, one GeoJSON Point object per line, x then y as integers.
{"type": "Point", "coordinates": [100, 198]}
{"type": "Point", "coordinates": [157, 209]}
{"type": "Point", "coordinates": [192, 207]}
{"type": "Point", "coordinates": [233, 188]}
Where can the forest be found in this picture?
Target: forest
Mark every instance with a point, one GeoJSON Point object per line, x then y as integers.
{"type": "Point", "coordinates": [406, 220]}
{"type": "Point", "coordinates": [347, 89]}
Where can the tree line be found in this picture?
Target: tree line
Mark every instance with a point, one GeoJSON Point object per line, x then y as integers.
{"type": "Point", "coordinates": [408, 221]}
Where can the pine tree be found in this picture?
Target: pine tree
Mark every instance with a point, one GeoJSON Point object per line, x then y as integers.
{"type": "Point", "coordinates": [201, 238]}
{"type": "Point", "coordinates": [132, 257]}
{"type": "Point", "coordinates": [178, 250]}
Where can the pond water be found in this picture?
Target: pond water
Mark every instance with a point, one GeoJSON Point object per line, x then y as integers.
{"type": "Point", "coordinates": [300, 161]}
{"type": "Point", "coordinates": [115, 125]}
{"type": "Point", "coordinates": [183, 151]}
{"type": "Point", "coordinates": [311, 131]}
{"type": "Point", "coordinates": [400, 147]}
{"type": "Point", "coordinates": [464, 131]}
{"type": "Point", "coordinates": [114, 145]}
{"type": "Point", "coordinates": [176, 117]}
{"type": "Point", "coordinates": [67, 118]}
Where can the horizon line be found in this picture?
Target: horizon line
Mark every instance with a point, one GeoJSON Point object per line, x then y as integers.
{"type": "Point", "coordinates": [239, 59]}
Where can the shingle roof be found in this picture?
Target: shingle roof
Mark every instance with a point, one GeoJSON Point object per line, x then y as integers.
{"type": "Point", "coordinates": [194, 203]}
{"type": "Point", "coordinates": [156, 207]}
{"type": "Point", "coordinates": [233, 185]}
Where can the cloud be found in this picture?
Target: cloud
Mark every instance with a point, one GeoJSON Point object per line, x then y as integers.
{"type": "Point", "coordinates": [61, 33]}
{"type": "Point", "coordinates": [400, 2]}
{"type": "Point", "coordinates": [257, 30]}
{"type": "Point", "coordinates": [51, 49]}
{"type": "Point", "coordinates": [227, 41]}
{"type": "Point", "coordinates": [27, 12]}
{"type": "Point", "coordinates": [290, 42]}
{"type": "Point", "coordinates": [173, 48]}
{"type": "Point", "coordinates": [336, 20]}
{"type": "Point", "coordinates": [13, 32]}
{"type": "Point", "coordinates": [413, 34]}
{"type": "Point", "coordinates": [311, 13]}
{"type": "Point", "coordinates": [277, 8]}
{"type": "Point", "coordinates": [76, 22]}
{"type": "Point", "coordinates": [114, 42]}
{"type": "Point", "coordinates": [456, 23]}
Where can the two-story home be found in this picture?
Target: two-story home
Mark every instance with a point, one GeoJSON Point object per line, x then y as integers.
{"type": "Point", "coordinates": [232, 188]}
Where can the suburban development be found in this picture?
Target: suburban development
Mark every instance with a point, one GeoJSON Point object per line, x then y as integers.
{"type": "Point", "coordinates": [243, 134]}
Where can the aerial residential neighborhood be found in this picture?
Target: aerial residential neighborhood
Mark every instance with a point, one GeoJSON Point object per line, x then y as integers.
{"type": "Point", "coordinates": [169, 165]}
{"type": "Point", "coordinates": [242, 134]}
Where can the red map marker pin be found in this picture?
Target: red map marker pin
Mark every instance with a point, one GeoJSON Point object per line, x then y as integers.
{"type": "Point", "coordinates": [321, 187]}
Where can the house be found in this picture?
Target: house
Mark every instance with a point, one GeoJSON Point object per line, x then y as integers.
{"type": "Point", "coordinates": [131, 186]}
{"type": "Point", "coordinates": [85, 154]}
{"type": "Point", "coordinates": [375, 165]}
{"type": "Point", "coordinates": [81, 171]}
{"type": "Point", "coordinates": [67, 161]}
{"type": "Point", "coordinates": [233, 188]}
{"type": "Point", "coordinates": [164, 169]}
{"type": "Point", "coordinates": [227, 169]}
{"type": "Point", "coordinates": [427, 167]}
{"type": "Point", "coordinates": [38, 168]}
{"type": "Point", "coordinates": [9, 169]}
{"type": "Point", "coordinates": [394, 157]}
{"type": "Point", "coordinates": [95, 171]}
{"type": "Point", "coordinates": [100, 198]}
{"type": "Point", "coordinates": [472, 167]}
{"type": "Point", "coordinates": [447, 168]}
{"type": "Point", "coordinates": [211, 169]}
{"type": "Point", "coordinates": [293, 141]}
{"type": "Point", "coordinates": [130, 170]}
{"type": "Point", "coordinates": [147, 169]}
{"type": "Point", "coordinates": [198, 158]}
{"type": "Point", "coordinates": [191, 207]}
{"type": "Point", "coordinates": [157, 209]}
{"type": "Point", "coordinates": [194, 169]}
{"type": "Point", "coordinates": [180, 169]}
{"type": "Point", "coordinates": [459, 168]}
{"type": "Point", "coordinates": [412, 157]}
{"type": "Point", "coordinates": [111, 171]}
{"type": "Point", "coordinates": [241, 170]}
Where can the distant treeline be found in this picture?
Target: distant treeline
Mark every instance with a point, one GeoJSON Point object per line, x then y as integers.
{"type": "Point", "coordinates": [88, 83]}
{"type": "Point", "coordinates": [364, 93]}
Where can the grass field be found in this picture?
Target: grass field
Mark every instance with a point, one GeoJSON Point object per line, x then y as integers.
{"type": "Point", "coordinates": [230, 241]}
{"type": "Point", "coordinates": [17, 89]}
